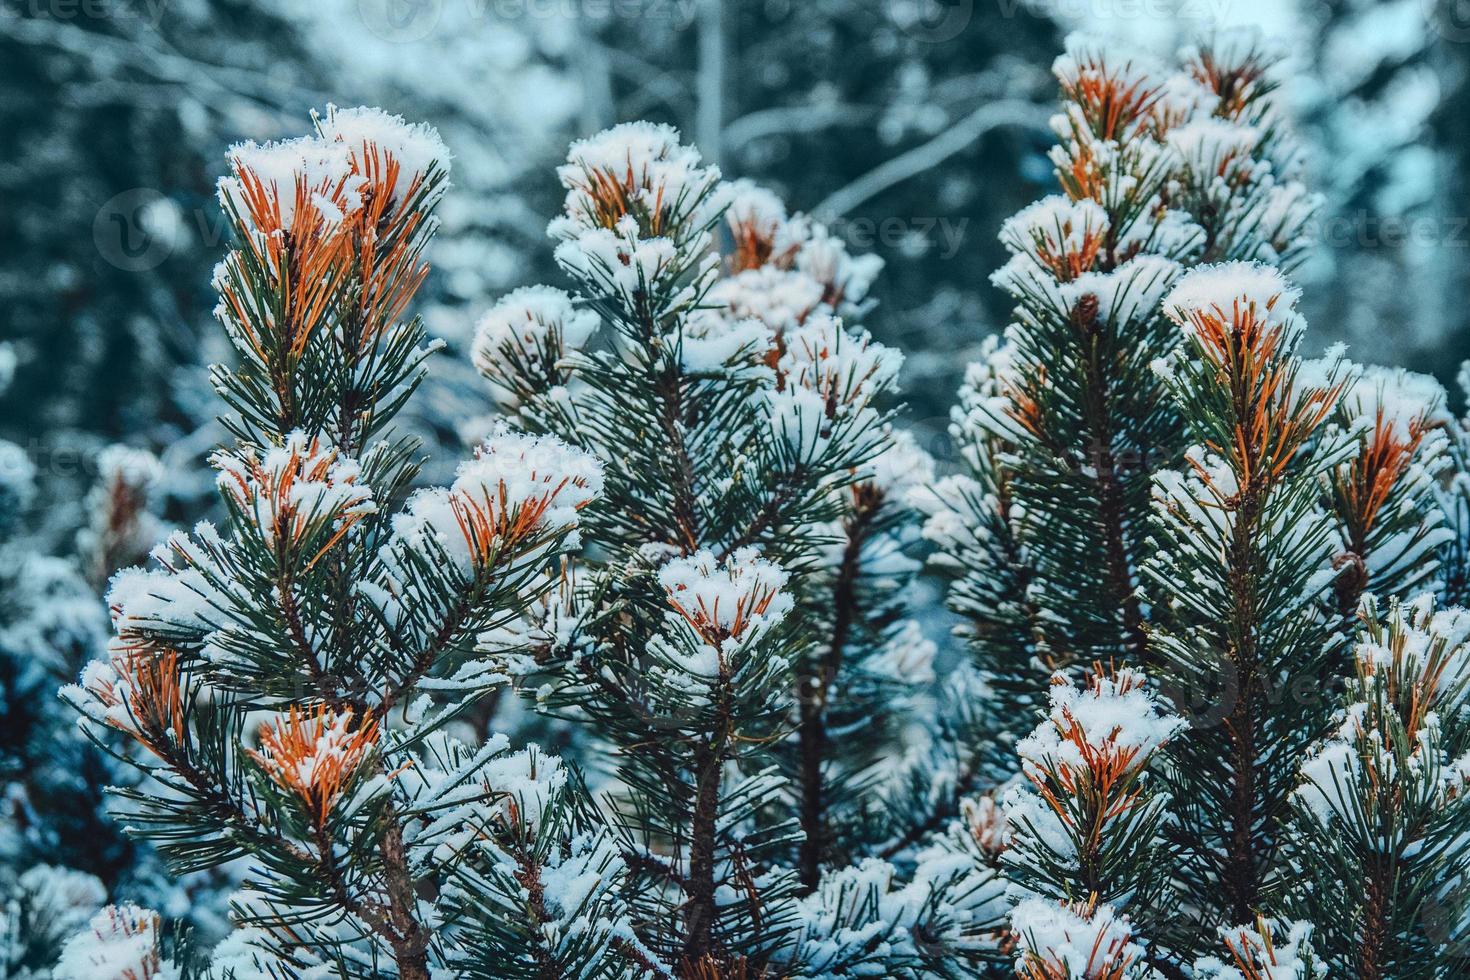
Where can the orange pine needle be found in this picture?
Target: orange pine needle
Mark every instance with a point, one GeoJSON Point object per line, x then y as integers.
{"type": "Point", "coordinates": [315, 756]}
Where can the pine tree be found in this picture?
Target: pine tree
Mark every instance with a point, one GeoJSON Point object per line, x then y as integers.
{"type": "Point", "coordinates": [61, 858]}
{"type": "Point", "coordinates": [1392, 530]}
{"type": "Point", "coordinates": [1243, 564]}
{"type": "Point", "coordinates": [1063, 424]}
{"type": "Point", "coordinates": [1088, 833]}
{"type": "Point", "coordinates": [1186, 811]}
{"type": "Point", "coordinates": [1382, 803]}
{"type": "Point", "coordinates": [292, 674]}
{"type": "Point", "coordinates": [1213, 723]}
{"type": "Point", "coordinates": [736, 628]}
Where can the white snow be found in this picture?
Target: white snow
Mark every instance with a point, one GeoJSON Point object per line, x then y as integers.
{"type": "Point", "coordinates": [325, 171]}
{"type": "Point", "coordinates": [1221, 289]}
{"type": "Point", "coordinates": [1071, 943]}
{"type": "Point", "coordinates": [735, 600]}
{"type": "Point", "coordinates": [289, 488]}
{"type": "Point", "coordinates": [120, 943]}
{"type": "Point", "coordinates": [516, 483]}
{"type": "Point", "coordinates": [533, 317]}
{"type": "Point", "coordinates": [782, 299]}
{"type": "Point", "coordinates": [364, 130]}
{"type": "Point", "coordinates": [650, 171]}
{"type": "Point", "coordinates": [1282, 951]}
{"type": "Point", "coordinates": [529, 330]}
{"type": "Point", "coordinates": [1114, 714]}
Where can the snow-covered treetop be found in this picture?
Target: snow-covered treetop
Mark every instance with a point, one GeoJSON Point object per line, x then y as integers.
{"type": "Point", "coordinates": [639, 170]}
{"type": "Point", "coordinates": [1058, 941]}
{"type": "Point", "coordinates": [390, 153]}
{"type": "Point", "coordinates": [1058, 233]}
{"type": "Point", "coordinates": [1112, 725]}
{"type": "Point", "coordinates": [323, 178]}
{"type": "Point", "coordinates": [136, 691]}
{"type": "Point", "coordinates": [1114, 87]}
{"type": "Point", "coordinates": [782, 299]}
{"type": "Point", "coordinates": [827, 379]}
{"type": "Point", "coordinates": [1232, 295]}
{"type": "Point", "coordinates": [515, 488]}
{"type": "Point", "coordinates": [1181, 98]}
{"type": "Point", "coordinates": [292, 185]}
{"type": "Point", "coordinates": [522, 339]}
{"type": "Point", "coordinates": [737, 599]}
{"type": "Point", "coordinates": [762, 233]}
{"type": "Point", "coordinates": [785, 268]}
{"type": "Point", "coordinates": [120, 943]}
{"type": "Point", "coordinates": [1215, 146]}
{"type": "Point", "coordinates": [1239, 63]}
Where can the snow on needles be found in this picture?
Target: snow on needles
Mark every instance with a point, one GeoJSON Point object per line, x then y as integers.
{"type": "Point", "coordinates": [1113, 716]}
{"type": "Point", "coordinates": [1402, 401]}
{"type": "Point", "coordinates": [527, 333]}
{"type": "Point", "coordinates": [516, 486]}
{"type": "Point", "coordinates": [1425, 637]}
{"type": "Point", "coordinates": [367, 132]}
{"type": "Point", "coordinates": [315, 755]}
{"type": "Point", "coordinates": [533, 318]}
{"type": "Point", "coordinates": [293, 492]}
{"type": "Point", "coordinates": [120, 943]}
{"type": "Point", "coordinates": [738, 599]}
{"type": "Point", "coordinates": [637, 169]}
{"type": "Point", "coordinates": [323, 170]}
{"type": "Point", "coordinates": [1228, 291]}
{"type": "Point", "coordinates": [334, 167]}
{"type": "Point", "coordinates": [1060, 941]}
{"type": "Point", "coordinates": [1266, 951]}
{"type": "Point", "coordinates": [1411, 667]}
{"type": "Point", "coordinates": [828, 376]}
{"type": "Point", "coordinates": [1057, 232]}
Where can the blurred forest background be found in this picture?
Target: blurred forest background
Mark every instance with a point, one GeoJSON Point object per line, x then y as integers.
{"type": "Point", "coordinates": [914, 127]}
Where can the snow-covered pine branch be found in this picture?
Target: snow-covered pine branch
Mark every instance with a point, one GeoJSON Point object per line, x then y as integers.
{"type": "Point", "coordinates": [1087, 835]}
{"type": "Point", "coordinates": [1241, 575]}
{"type": "Point", "coordinates": [1063, 423]}
{"type": "Point", "coordinates": [286, 675]}
{"type": "Point", "coordinates": [1382, 803]}
{"type": "Point", "coordinates": [742, 420]}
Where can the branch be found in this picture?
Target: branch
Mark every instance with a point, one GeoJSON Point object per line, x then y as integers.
{"type": "Point", "coordinates": [802, 119]}
{"type": "Point", "coordinates": [993, 115]}
{"type": "Point", "coordinates": [814, 685]}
